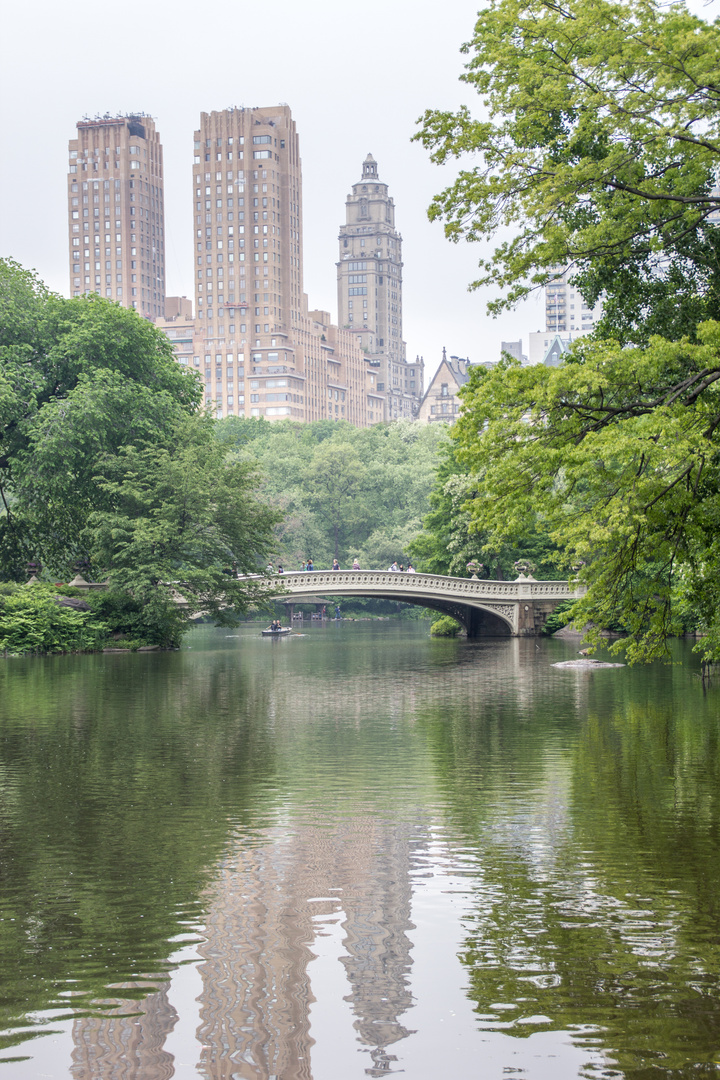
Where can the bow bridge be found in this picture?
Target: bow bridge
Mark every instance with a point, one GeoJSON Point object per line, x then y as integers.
{"type": "Point", "coordinates": [485, 608]}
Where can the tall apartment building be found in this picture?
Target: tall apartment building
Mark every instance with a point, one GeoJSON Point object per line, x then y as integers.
{"type": "Point", "coordinates": [565, 309]}
{"type": "Point", "coordinates": [567, 317]}
{"type": "Point", "coordinates": [370, 291]}
{"type": "Point", "coordinates": [260, 349]}
{"type": "Point", "coordinates": [116, 216]}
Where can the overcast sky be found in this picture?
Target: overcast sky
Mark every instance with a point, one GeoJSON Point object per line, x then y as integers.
{"type": "Point", "coordinates": [356, 76]}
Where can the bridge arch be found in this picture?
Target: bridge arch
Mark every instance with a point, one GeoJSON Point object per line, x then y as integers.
{"type": "Point", "coordinates": [478, 621]}
{"type": "Point", "coordinates": [484, 608]}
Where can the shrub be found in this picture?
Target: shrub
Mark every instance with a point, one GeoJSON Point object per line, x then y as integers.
{"type": "Point", "coordinates": [560, 617]}
{"type": "Point", "coordinates": [445, 626]}
{"type": "Point", "coordinates": [32, 621]}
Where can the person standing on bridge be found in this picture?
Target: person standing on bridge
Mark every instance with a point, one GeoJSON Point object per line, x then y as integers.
{"type": "Point", "coordinates": [355, 565]}
{"type": "Point", "coordinates": [410, 569]}
{"type": "Point", "coordinates": [309, 565]}
{"type": "Point", "coordinates": [335, 565]}
{"type": "Point", "coordinates": [394, 567]}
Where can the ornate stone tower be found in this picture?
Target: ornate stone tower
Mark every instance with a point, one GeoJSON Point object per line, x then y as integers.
{"type": "Point", "coordinates": [370, 290]}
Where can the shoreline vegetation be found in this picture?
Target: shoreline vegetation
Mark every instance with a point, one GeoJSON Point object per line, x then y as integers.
{"type": "Point", "coordinates": [43, 619]}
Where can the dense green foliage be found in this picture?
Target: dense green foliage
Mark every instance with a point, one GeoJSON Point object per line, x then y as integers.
{"type": "Point", "coordinates": [344, 492]}
{"type": "Point", "coordinates": [445, 626]}
{"type": "Point", "coordinates": [599, 148]}
{"type": "Point", "coordinates": [619, 449]}
{"type": "Point", "coordinates": [32, 621]}
{"type": "Point", "coordinates": [78, 379]}
{"type": "Point", "coordinates": [558, 618]}
{"type": "Point", "coordinates": [38, 619]}
{"type": "Point", "coordinates": [452, 539]}
{"type": "Point", "coordinates": [106, 461]}
{"type": "Point", "coordinates": [601, 153]}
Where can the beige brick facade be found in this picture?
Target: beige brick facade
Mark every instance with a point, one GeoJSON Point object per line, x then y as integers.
{"type": "Point", "coordinates": [255, 344]}
{"type": "Point", "coordinates": [116, 217]}
{"type": "Point", "coordinates": [179, 326]}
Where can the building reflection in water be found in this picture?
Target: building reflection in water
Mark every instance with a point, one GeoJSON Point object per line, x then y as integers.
{"type": "Point", "coordinates": [127, 1045]}
{"type": "Point", "coordinates": [260, 929]}
{"type": "Point", "coordinates": [261, 921]}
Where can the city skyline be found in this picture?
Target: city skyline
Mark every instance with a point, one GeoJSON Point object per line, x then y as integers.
{"type": "Point", "coordinates": [255, 340]}
{"type": "Point", "coordinates": [352, 91]}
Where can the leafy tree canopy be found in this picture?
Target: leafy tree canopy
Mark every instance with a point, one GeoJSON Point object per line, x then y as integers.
{"type": "Point", "coordinates": [78, 379]}
{"type": "Point", "coordinates": [617, 452]}
{"type": "Point", "coordinates": [180, 520]}
{"type": "Point", "coordinates": [598, 150]}
{"type": "Point", "coordinates": [106, 458]}
{"type": "Point", "coordinates": [345, 491]}
{"type": "Point", "coordinates": [452, 538]}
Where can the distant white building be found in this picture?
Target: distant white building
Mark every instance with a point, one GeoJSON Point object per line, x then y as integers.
{"type": "Point", "coordinates": [565, 310]}
{"type": "Point", "coordinates": [544, 340]}
{"type": "Point", "coordinates": [567, 317]}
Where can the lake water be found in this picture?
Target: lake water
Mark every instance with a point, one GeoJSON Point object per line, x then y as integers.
{"type": "Point", "coordinates": [358, 852]}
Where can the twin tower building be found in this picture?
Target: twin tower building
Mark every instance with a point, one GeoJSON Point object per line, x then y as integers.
{"type": "Point", "coordinates": [253, 338]}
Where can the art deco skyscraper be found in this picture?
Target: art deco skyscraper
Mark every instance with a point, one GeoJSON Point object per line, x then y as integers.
{"type": "Point", "coordinates": [248, 255]}
{"type": "Point", "coordinates": [263, 353]}
{"type": "Point", "coordinates": [248, 214]}
{"type": "Point", "coordinates": [116, 217]}
{"type": "Point", "coordinates": [370, 290]}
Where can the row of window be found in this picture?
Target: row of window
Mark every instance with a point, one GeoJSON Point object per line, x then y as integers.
{"type": "Point", "coordinates": [258, 155]}
{"type": "Point", "coordinates": [258, 140]}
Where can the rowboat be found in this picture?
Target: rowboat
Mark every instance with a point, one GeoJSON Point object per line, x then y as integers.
{"type": "Point", "coordinates": [276, 633]}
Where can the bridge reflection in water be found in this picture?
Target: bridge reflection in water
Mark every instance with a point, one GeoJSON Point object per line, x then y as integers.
{"type": "Point", "coordinates": [517, 608]}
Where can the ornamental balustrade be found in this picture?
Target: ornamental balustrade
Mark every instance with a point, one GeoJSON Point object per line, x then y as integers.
{"type": "Point", "coordinates": [315, 581]}
{"type": "Point", "coordinates": [517, 607]}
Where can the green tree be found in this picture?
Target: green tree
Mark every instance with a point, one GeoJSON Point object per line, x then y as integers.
{"type": "Point", "coordinates": [32, 620]}
{"type": "Point", "coordinates": [181, 520]}
{"type": "Point", "coordinates": [452, 537]}
{"type": "Point", "coordinates": [599, 149]}
{"type": "Point", "coordinates": [335, 476]}
{"type": "Point", "coordinates": [105, 457]}
{"type": "Point", "coordinates": [78, 379]}
{"type": "Point", "coordinates": [387, 472]}
{"type": "Point", "coordinates": [617, 450]}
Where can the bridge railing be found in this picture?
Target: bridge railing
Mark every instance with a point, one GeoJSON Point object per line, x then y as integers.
{"type": "Point", "coordinates": [377, 580]}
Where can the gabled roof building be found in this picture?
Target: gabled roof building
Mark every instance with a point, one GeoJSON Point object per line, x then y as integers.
{"type": "Point", "coordinates": [441, 401]}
